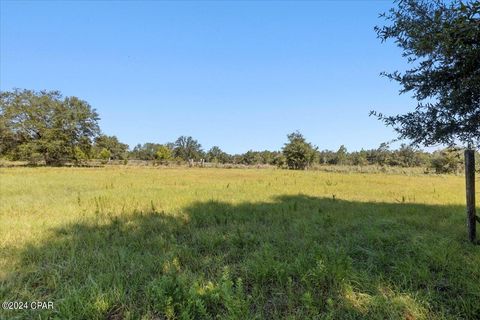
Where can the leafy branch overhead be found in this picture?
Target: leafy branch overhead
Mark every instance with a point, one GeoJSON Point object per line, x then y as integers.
{"type": "Point", "coordinates": [441, 42]}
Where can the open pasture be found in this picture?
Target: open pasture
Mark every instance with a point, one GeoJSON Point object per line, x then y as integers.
{"type": "Point", "coordinates": [149, 243]}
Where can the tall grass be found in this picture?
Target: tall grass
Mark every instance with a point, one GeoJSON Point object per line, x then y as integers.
{"type": "Point", "coordinates": [150, 243]}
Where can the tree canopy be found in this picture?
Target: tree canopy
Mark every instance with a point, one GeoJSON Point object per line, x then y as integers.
{"type": "Point", "coordinates": [163, 154]}
{"type": "Point", "coordinates": [441, 42]}
{"type": "Point", "coordinates": [216, 155]}
{"type": "Point", "coordinates": [299, 154]}
{"type": "Point", "coordinates": [187, 148]}
{"type": "Point", "coordinates": [46, 125]}
{"type": "Point", "coordinates": [118, 150]}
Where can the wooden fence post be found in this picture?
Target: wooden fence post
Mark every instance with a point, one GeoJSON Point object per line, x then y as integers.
{"type": "Point", "coordinates": [470, 191]}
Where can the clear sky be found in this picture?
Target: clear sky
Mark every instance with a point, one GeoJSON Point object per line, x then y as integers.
{"type": "Point", "coordinates": [238, 74]}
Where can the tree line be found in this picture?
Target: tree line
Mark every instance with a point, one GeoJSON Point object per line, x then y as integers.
{"type": "Point", "coordinates": [45, 127]}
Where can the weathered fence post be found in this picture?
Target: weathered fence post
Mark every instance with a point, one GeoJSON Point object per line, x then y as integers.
{"type": "Point", "coordinates": [470, 188]}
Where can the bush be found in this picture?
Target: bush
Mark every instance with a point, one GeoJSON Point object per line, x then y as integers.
{"type": "Point", "coordinates": [105, 155]}
{"type": "Point", "coordinates": [79, 156]}
{"type": "Point", "coordinates": [163, 155]}
{"type": "Point", "coordinates": [447, 161]}
{"type": "Point", "coordinates": [299, 154]}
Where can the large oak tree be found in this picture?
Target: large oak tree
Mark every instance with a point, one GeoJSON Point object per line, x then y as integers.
{"type": "Point", "coordinates": [187, 149]}
{"type": "Point", "coordinates": [45, 124]}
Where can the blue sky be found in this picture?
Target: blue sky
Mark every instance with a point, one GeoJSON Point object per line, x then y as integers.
{"type": "Point", "coordinates": [238, 74]}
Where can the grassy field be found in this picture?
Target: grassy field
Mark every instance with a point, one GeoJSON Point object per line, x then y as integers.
{"type": "Point", "coordinates": [149, 243]}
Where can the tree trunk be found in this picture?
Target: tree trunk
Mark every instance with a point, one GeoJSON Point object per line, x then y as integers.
{"type": "Point", "coordinates": [470, 188]}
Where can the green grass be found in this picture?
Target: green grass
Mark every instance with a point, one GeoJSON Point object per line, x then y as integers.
{"type": "Point", "coordinates": [146, 243]}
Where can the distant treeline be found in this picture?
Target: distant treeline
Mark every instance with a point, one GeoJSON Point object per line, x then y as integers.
{"type": "Point", "coordinates": [442, 161]}
{"type": "Point", "coordinates": [45, 127]}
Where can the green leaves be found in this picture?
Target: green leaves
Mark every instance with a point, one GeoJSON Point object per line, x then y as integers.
{"type": "Point", "coordinates": [118, 150]}
{"type": "Point", "coordinates": [44, 123]}
{"type": "Point", "coordinates": [163, 154]}
{"type": "Point", "coordinates": [442, 43]}
{"type": "Point", "coordinates": [298, 152]}
{"type": "Point", "coordinates": [187, 148]}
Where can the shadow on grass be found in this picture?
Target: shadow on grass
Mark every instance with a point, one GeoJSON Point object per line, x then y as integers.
{"type": "Point", "coordinates": [297, 256]}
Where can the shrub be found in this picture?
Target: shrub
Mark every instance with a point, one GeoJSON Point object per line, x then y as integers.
{"type": "Point", "coordinates": [299, 154]}
{"type": "Point", "coordinates": [163, 155]}
{"type": "Point", "coordinates": [79, 156]}
{"type": "Point", "coordinates": [447, 161]}
{"type": "Point", "coordinates": [105, 155]}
